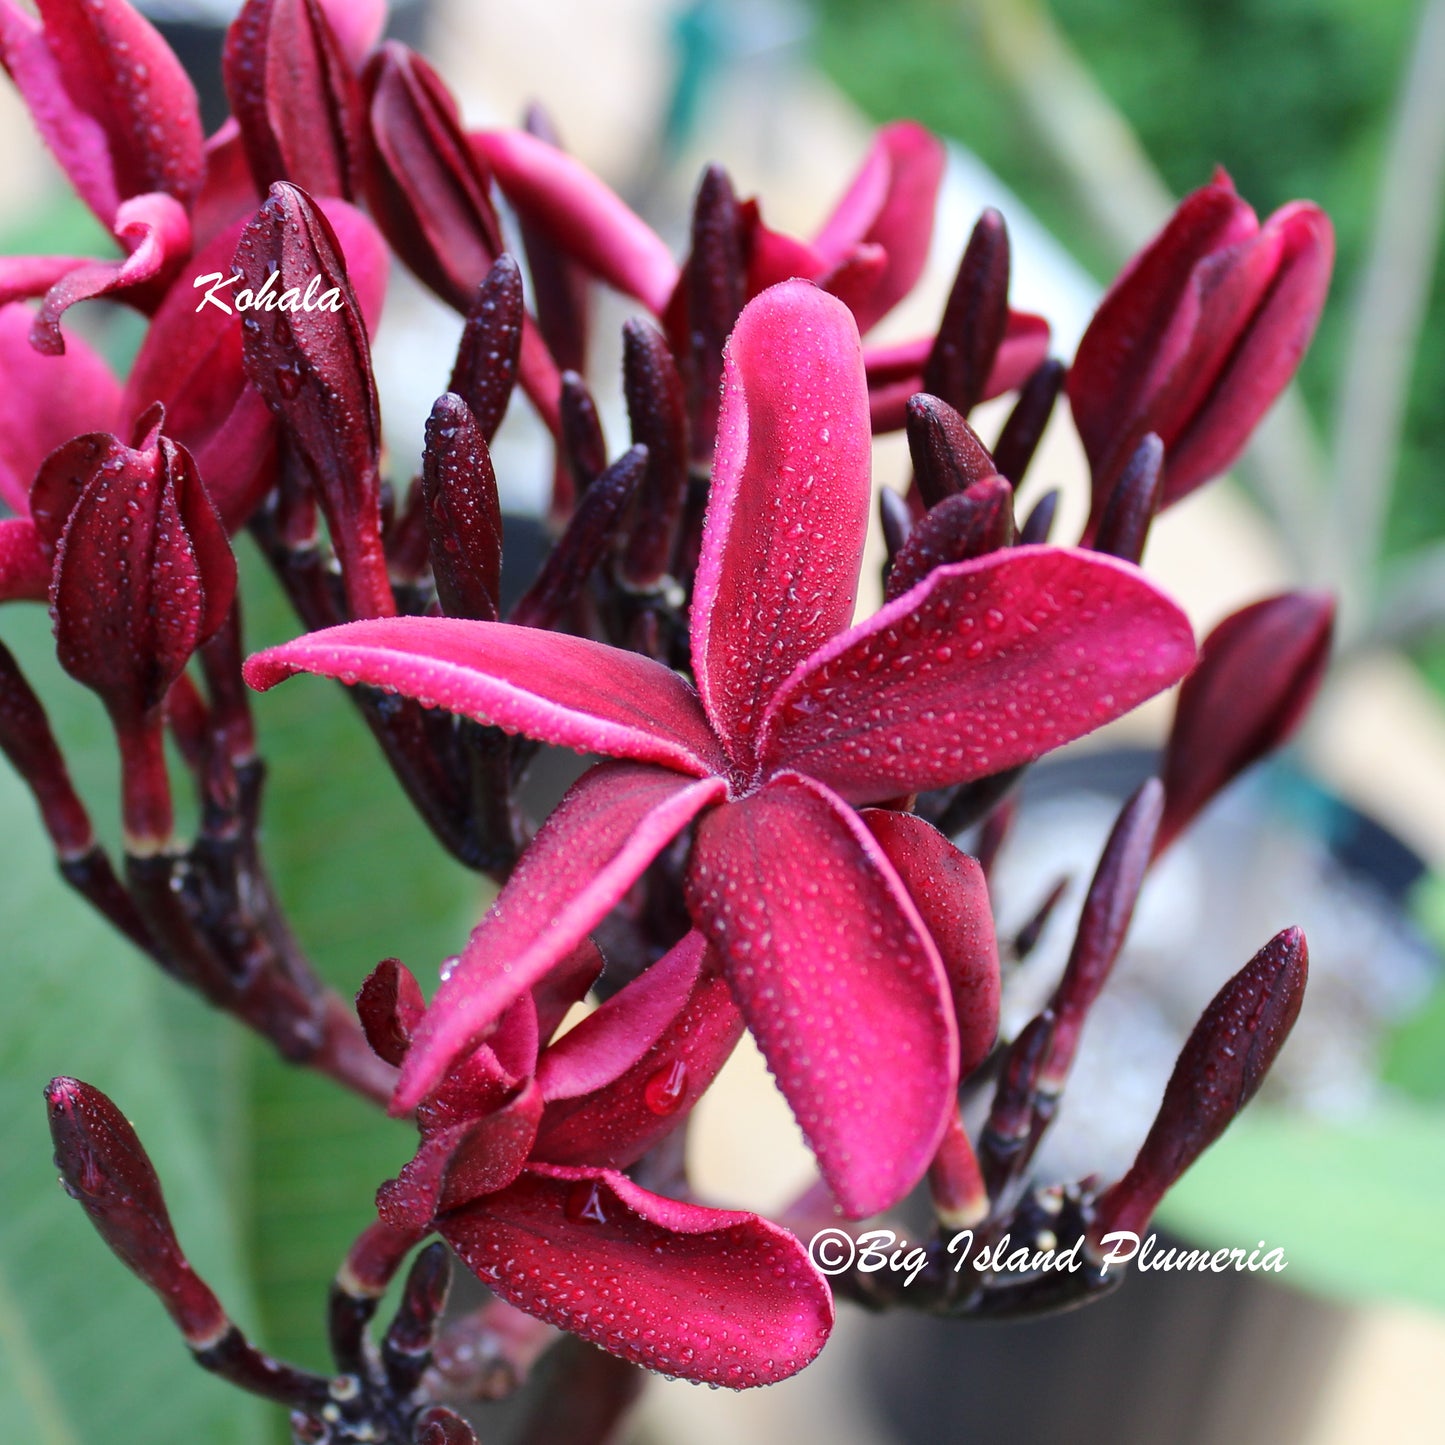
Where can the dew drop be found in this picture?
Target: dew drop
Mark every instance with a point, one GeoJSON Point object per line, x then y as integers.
{"type": "Point", "coordinates": [664, 1092]}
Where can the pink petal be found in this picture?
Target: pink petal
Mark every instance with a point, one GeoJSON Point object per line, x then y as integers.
{"type": "Point", "coordinates": [707, 1294]}
{"type": "Point", "coordinates": [48, 400]}
{"type": "Point", "coordinates": [562, 690]}
{"type": "Point", "coordinates": [890, 204]}
{"type": "Point", "coordinates": [25, 566]}
{"type": "Point", "coordinates": [109, 98]}
{"type": "Point", "coordinates": [609, 1041]}
{"type": "Point", "coordinates": [788, 509]}
{"type": "Point", "coordinates": [358, 25]}
{"type": "Point", "coordinates": [983, 666]}
{"type": "Point", "coordinates": [623, 1116]}
{"type": "Point", "coordinates": [838, 980]}
{"type": "Point", "coordinates": [585, 219]}
{"type": "Point", "coordinates": [594, 847]}
{"type": "Point", "coordinates": [951, 894]}
{"type": "Point", "coordinates": [229, 193]}
{"type": "Point", "coordinates": [157, 234]}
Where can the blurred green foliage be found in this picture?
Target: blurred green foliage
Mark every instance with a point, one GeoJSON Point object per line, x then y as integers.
{"type": "Point", "coordinates": [1292, 97]}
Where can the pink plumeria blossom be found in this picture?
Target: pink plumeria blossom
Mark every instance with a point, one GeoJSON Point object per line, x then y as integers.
{"type": "Point", "coordinates": [796, 715]}
{"type": "Point", "coordinates": [519, 1170]}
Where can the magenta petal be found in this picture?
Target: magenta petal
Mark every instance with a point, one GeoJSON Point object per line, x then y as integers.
{"type": "Point", "coordinates": [557, 194]}
{"type": "Point", "coordinates": [609, 1041]}
{"type": "Point", "coordinates": [593, 848]}
{"type": "Point", "coordinates": [951, 895]}
{"type": "Point", "coordinates": [707, 1294]}
{"type": "Point", "coordinates": [109, 98]}
{"type": "Point", "coordinates": [25, 566]}
{"type": "Point", "coordinates": [562, 690]}
{"type": "Point", "coordinates": [788, 510]}
{"type": "Point", "coordinates": [156, 232]}
{"type": "Point", "coordinates": [48, 400]}
{"type": "Point", "coordinates": [774, 256]}
{"type": "Point", "coordinates": [621, 1119]}
{"type": "Point", "coordinates": [358, 25]}
{"type": "Point", "coordinates": [565, 985]}
{"type": "Point", "coordinates": [982, 666]}
{"type": "Point", "coordinates": [890, 204]}
{"type": "Point", "coordinates": [838, 980]}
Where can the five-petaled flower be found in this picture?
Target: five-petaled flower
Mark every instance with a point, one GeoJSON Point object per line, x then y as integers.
{"type": "Point", "coordinates": [797, 719]}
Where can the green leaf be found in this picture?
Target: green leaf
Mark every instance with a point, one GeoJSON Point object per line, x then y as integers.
{"type": "Point", "coordinates": [1355, 1205]}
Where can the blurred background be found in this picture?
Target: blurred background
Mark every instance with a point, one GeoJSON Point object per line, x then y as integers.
{"type": "Point", "coordinates": [1083, 121]}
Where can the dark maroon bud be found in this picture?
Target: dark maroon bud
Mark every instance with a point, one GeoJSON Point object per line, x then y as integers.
{"type": "Point", "coordinates": [427, 189]}
{"type": "Point", "coordinates": [966, 525]}
{"type": "Point", "coordinates": [294, 97]}
{"type": "Point", "coordinates": [947, 455]}
{"type": "Point", "coordinates": [974, 320]}
{"type": "Point", "coordinates": [560, 288]}
{"type": "Point", "coordinates": [143, 575]}
{"type": "Point", "coordinates": [1103, 923]}
{"type": "Point", "coordinates": [440, 1426]}
{"type": "Point", "coordinates": [583, 445]}
{"type": "Point", "coordinates": [1006, 1133]}
{"type": "Point", "coordinates": [27, 741]}
{"type": "Point", "coordinates": [1256, 676]}
{"type": "Point", "coordinates": [1133, 504]}
{"type": "Point", "coordinates": [1221, 1066]}
{"type": "Point", "coordinates": [491, 346]}
{"type": "Point", "coordinates": [711, 292]}
{"type": "Point", "coordinates": [591, 534]}
{"type": "Point", "coordinates": [405, 535]}
{"type": "Point", "coordinates": [897, 520]}
{"type": "Point", "coordinates": [313, 367]}
{"type": "Point", "coordinates": [407, 1345]}
{"type": "Point", "coordinates": [64, 474]}
{"type": "Point", "coordinates": [463, 513]}
{"type": "Point", "coordinates": [1040, 521]}
{"type": "Point", "coordinates": [1024, 429]}
{"type": "Point", "coordinates": [1027, 938]}
{"type": "Point", "coordinates": [390, 1005]}
{"type": "Point", "coordinates": [104, 1167]}
{"type": "Point", "coordinates": [658, 413]}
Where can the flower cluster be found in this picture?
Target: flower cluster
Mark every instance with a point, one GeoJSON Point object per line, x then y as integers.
{"type": "Point", "coordinates": [767, 844]}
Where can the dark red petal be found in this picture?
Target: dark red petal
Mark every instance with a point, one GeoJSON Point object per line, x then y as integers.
{"type": "Point", "coordinates": [390, 1005]}
{"type": "Point", "coordinates": [561, 197]}
{"type": "Point", "coordinates": [593, 848]}
{"type": "Point", "coordinates": [1259, 369]}
{"type": "Point", "coordinates": [982, 666]}
{"type": "Point", "coordinates": [705, 1294]}
{"type": "Point", "coordinates": [951, 894]}
{"type": "Point", "coordinates": [48, 400]}
{"type": "Point", "coordinates": [563, 690]}
{"type": "Point", "coordinates": [1222, 1064]}
{"type": "Point", "coordinates": [838, 980]}
{"type": "Point", "coordinates": [567, 984]}
{"type": "Point", "coordinates": [788, 509]}
{"type": "Point", "coordinates": [610, 1040]}
{"type": "Point", "coordinates": [1137, 334]}
{"type": "Point", "coordinates": [1258, 672]}
{"type": "Point", "coordinates": [622, 1118]}
{"type": "Point", "coordinates": [295, 96]}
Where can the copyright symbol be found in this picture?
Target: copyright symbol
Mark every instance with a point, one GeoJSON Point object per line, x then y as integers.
{"type": "Point", "coordinates": [832, 1250]}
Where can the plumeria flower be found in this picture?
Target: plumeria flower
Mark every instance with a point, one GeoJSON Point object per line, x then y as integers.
{"type": "Point", "coordinates": [519, 1170]}
{"type": "Point", "coordinates": [796, 719]}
